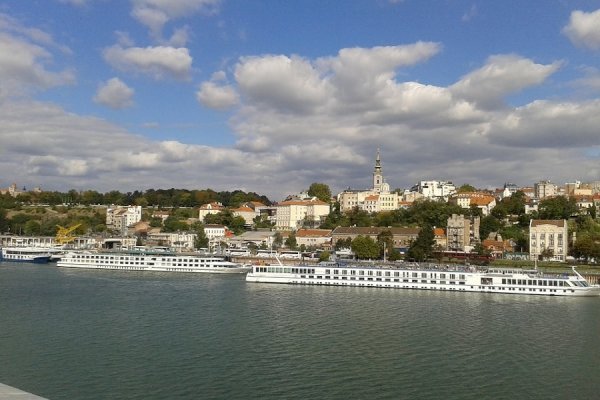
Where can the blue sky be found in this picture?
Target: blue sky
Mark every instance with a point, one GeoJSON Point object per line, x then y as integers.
{"type": "Point", "coordinates": [270, 96]}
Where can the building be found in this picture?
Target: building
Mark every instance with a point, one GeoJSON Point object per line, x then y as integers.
{"type": "Point", "coordinates": [180, 241]}
{"type": "Point", "coordinates": [215, 232]}
{"type": "Point", "coordinates": [548, 239]}
{"type": "Point", "coordinates": [313, 238]}
{"type": "Point", "coordinates": [119, 218]}
{"type": "Point", "coordinates": [435, 190]}
{"type": "Point", "coordinates": [544, 189]}
{"type": "Point", "coordinates": [378, 198]}
{"type": "Point", "coordinates": [291, 215]}
{"type": "Point", "coordinates": [401, 236]}
{"type": "Point", "coordinates": [210, 208]}
{"type": "Point", "coordinates": [483, 201]}
{"type": "Point", "coordinates": [462, 233]}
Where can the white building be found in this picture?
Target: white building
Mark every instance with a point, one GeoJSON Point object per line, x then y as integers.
{"type": "Point", "coordinates": [544, 189]}
{"type": "Point", "coordinates": [119, 218]}
{"type": "Point", "coordinates": [483, 201]}
{"type": "Point", "coordinates": [213, 232]}
{"type": "Point", "coordinates": [435, 190]}
{"type": "Point", "coordinates": [181, 241]}
{"type": "Point", "coordinates": [549, 235]}
{"type": "Point", "coordinates": [379, 198]}
{"type": "Point", "coordinates": [211, 208]}
{"type": "Point", "coordinates": [291, 215]}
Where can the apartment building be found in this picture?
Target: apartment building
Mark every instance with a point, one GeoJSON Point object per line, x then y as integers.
{"type": "Point", "coordinates": [548, 238]}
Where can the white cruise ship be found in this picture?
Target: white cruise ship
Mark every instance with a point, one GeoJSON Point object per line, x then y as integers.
{"type": "Point", "coordinates": [456, 278]}
{"type": "Point", "coordinates": [36, 255]}
{"type": "Point", "coordinates": [151, 261]}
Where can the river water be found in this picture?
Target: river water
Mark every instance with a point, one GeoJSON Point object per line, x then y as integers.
{"type": "Point", "coordinates": [92, 334]}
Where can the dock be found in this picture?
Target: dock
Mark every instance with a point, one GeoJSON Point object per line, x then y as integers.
{"type": "Point", "coordinates": [11, 393]}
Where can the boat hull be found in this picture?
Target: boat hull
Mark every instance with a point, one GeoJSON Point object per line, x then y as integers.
{"type": "Point", "coordinates": [151, 263]}
{"type": "Point", "coordinates": [441, 279]}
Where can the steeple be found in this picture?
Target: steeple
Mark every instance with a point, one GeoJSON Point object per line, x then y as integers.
{"type": "Point", "coordinates": [377, 176]}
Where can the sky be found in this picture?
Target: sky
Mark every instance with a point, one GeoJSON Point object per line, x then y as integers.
{"type": "Point", "coordinates": [269, 96]}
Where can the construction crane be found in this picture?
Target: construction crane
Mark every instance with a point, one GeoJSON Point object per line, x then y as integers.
{"type": "Point", "coordinates": [64, 235]}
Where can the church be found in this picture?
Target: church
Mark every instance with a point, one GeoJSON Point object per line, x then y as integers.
{"type": "Point", "coordinates": [371, 200]}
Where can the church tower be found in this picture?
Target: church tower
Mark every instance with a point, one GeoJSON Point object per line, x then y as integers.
{"type": "Point", "coordinates": [377, 176]}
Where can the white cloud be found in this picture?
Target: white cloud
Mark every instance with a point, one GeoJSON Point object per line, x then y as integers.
{"type": "Point", "coordinates": [285, 83]}
{"type": "Point", "coordinates": [219, 97]}
{"type": "Point", "coordinates": [114, 93]}
{"type": "Point", "coordinates": [156, 13]}
{"type": "Point", "coordinates": [583, 29]}
{"type": "Point", "coordinates": [158, 62]}
{"type": "Point", "coordinates": [26, 59]}
{"type": "Point", "coordinates": [502, 75]}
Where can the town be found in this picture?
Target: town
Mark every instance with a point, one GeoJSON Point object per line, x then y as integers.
{"type": "Point", "coordinates": [433, 219]}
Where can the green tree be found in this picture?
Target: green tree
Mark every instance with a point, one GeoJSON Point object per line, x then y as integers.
{"type": "Point", "coordinates": [558, 207]}
{"type": "Point", "coordinates": [277, 240]}
{"type": "Point", "coordinates": [466, 188]}
{"type": "Point", "coordinates": [422, 248]}
{"type": "Point", "coordinates": [324, 256]}
{"type": "Point", "coordinates": [173, 224]}
{"type": "Point", "coordinates": [201, 240]}
{"type": "Point", "coordinates": [385, 240]}
{"type": "Point", "coordinates": [291, 242]}
{"type": "Point", "coordinates": [321, 191]}
{"type": "Point", "coordinates": [365, 248]}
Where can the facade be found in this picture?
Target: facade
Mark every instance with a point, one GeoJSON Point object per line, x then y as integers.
{"type": "Point", "coordinates": [462, 233]}
{"type": "Point", "coordinates": [402, 237]}
{"type": "Point", "coordinates": [292, 215]}
{"type": "Point", "coordinates": [483, 201]}
{"type": "Point", "coordinates": [313, 237]}
{"type": "Point", "coordinates": [119, 218]}
{"type": "Point", "coordinates": [550, 237]}
{"type": "Point", "coordinates": [182, 241]}
{"type": "Point", "coordinates": [210, 208]}
{"type": "Point", "coordinates": [215, 232]}
{"type": "Point", "coordinates": [544, 189]}
{"type": "Point", "coordinates": [435, 190]}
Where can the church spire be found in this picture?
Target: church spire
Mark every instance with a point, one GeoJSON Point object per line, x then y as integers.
{"type": "Point", "coordinates": [377, 175]}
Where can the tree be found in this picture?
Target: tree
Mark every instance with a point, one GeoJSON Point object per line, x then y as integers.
{"type": "Point", "coordinates": [277, 240]}
{"type": "Point", "coordinates": [365, 248]}
{"type": "Point", "coordinates": [558, 207]}
{"type": "Point", "coordinates": [422, 248]}
{"type": "Point", "coordinates": [291, 242]}
{"type": "Point", "coordinates": [385, 240]}
{"type": "Point", "coordinates": [324, 256]}
{"type": "Point", "coordinates": [466, 188]}
{"type": "Point", "coordinates": [321, 191]}
{"type": "Point", "coordinates": [201, 240]}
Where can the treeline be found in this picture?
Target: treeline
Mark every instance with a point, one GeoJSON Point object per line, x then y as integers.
{"type": "Point", "coordinates": [151, 197]}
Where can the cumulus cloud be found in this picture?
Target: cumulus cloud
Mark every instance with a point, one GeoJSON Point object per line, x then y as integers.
{"type": "Point", "coordinates": [502, 75]}
{"type": "Point", "coordinates": [583, 29]}
{"type": "Point", "coordinates": [219, 97]}
{"type": "Point", "coordinates": [26, 59]}
{"type": "Point", "coordinates": [158, 62]}
{"type": "Point", "coordinates": [114, 93]}
{"type": "Point", "coordinates": [154, 14]}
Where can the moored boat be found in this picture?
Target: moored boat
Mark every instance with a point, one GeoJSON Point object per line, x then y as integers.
{"type": "Point", "coordinates": [151, 261]}
{"type": "Point", "coordinates": [431, 277]}
{"type": "Point", "coordinates": [30, 254]}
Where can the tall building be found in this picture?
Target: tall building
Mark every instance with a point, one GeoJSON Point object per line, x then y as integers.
{"type": "Point", "coordinates": [462, 233]}
{"type": "Point", "coordinates": [544, 189]}
{"type": "Point", "coordinates": [119, 218]}
{"type": "Point", "coordinates": [378, 198]}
